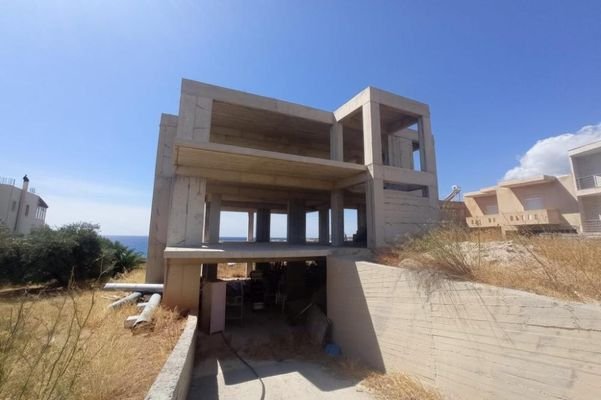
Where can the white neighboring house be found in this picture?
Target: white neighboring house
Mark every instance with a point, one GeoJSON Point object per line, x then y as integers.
{"type": "Point", "coordinates": [586, 169]}
{"type": "Point", "coordinates": [21, 210]}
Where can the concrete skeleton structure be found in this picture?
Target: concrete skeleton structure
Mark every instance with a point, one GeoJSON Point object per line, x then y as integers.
{"type": "Point", "coordinates": [233, 151]}
{"type": "Point", "coordinates": [544, 203]}
{"type": "Point", "coordinates": [21, 210]}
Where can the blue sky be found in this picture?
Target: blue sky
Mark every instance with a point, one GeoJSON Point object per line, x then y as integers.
{"type": "Point", "coordinates": [82, 84]}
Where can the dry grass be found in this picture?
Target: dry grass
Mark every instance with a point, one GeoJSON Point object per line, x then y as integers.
{"type": "Point", "coordinates": [69, 346]}
{"type": "Point", "coordinates": [567, 267]}
{"type": "Point", "coordinates": [231, 270]}
{"type": "Point", "coordinates": [396, 386]}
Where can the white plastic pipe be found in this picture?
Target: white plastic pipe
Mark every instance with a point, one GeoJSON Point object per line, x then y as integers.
{"type": "Point", "coordinates": [135, 287]}
{"type": "Point", "coordinates": [146, 314]}
{"type": "Point", "coordinates": [130, 298]}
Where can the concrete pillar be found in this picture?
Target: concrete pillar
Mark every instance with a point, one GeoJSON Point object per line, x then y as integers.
{"type": "Point", "coordinates": [297, 222]}
{"type": "Point", "coordinates": [400, 152]}
{"type": "Point", "coordinates": [361, 219]}
{"type": "Point", "coordinates": [324, 226]}
{"type": "Point", "coordinates": [209, 272]}
{"type": "Point", "coordinates": [336, 142]}
{"type": "Point", "coordinates": [182, 286]}
{"type": "Point", "coordinates": [250, 235]}
{"type": "Point", "coordinates": [214, 218]}
{"type": "Point", "coordinates": [186, 217]}
{"type": "Point", "coordinates": [337, 207]}
{"type": "Point", "coordinates": [427, 155]}
{"type": "Point", "coordinates": [161, 196]}
{"type": "Point", "coordinates": [374, 198]}
{"type": "Point", "coordinates": [263, 225]}
{"type": "Point", "coordinates": [295, 279]}
{"type": "Point", "coordinates": [372, 133]}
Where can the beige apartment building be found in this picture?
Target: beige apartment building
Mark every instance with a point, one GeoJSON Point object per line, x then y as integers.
{"type": "Point", "coordinates": [21, 210]}
{"type": "Point", "coordinates": [228, 150]}
{"type": "Point", "coordinates": [586, 169]}
{"type": "Point", "coordinates": [569, 203]}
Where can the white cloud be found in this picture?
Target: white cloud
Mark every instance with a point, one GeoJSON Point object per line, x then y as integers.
{"type": "Point", "coordinates": [549, 156]}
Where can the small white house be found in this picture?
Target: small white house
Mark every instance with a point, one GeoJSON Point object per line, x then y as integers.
{"type": "Point", "coordinates": [21, 210]}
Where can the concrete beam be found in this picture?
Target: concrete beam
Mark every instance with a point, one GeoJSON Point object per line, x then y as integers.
{"type": "Point", "coordinates": [199, 89]}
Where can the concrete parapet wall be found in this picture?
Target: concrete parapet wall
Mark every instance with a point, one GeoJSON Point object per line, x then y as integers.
{"type": "Point", "coordinates": [468, 340]}
{"type": "Point", "coordinates": [174, 379]}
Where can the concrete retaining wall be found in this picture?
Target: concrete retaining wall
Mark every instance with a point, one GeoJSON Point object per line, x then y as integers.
{"type": "Point", "coordinates": [471, 341]}
{"type": "Point", "coordinates": [174, 379]}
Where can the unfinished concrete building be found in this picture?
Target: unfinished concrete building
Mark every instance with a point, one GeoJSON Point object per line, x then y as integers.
{"type": "Point", "coordinates": [233, 151]}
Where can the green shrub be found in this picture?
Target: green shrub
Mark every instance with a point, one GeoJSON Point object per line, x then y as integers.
{"type": "Point", "coordinates": [72, 253]}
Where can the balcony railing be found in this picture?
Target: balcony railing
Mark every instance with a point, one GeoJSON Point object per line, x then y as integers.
{"type": "Point", "coordinates": [484, 221]}
{"type": "Point", "coordinates": [589, 182]}
{"type": "Point", "coordinates": [533, 217]}
{"type": "Point", "coordinates": [518, 218]}
{"type": "Point", "coordinates": [591, 226]}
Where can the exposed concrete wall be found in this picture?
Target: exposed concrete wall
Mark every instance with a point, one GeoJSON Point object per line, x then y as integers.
{"type": "Point", "coordinates": [174, 379]}
{"type": "Point", "coordinates": [471, 341]}
{"type": "Point", "coordinates": [405, 213]}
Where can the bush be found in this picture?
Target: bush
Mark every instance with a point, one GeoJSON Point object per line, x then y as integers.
{"type": "Point", "coordinates": [74, 252]}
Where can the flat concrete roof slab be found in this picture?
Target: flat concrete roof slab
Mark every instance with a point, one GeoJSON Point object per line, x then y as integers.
{"type": "Point", "coordinates": [249, 251]}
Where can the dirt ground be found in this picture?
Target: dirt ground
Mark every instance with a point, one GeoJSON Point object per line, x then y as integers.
{"type": "Point", "coordinates": [290, 367]}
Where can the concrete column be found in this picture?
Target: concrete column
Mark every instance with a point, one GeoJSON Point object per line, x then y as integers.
{"type": "Point", "coordinates": [182, 286]}
{"type": "Point", "coordinates": [194, 120]}
{"type": "Point", "coordinates": [295, 279]}
{"type": "Point", "coordinates": [161, 196]}
{"type": "Point", "coordinates": [263, 225]}
{"type": "Point", "coordinates": [372, 133]}
{"type": "Point", "coordinates": [426, 145]}
{"type": "Point", "coordinates": [250, 235]}
{"type": "Point", "coordinates": [374, 198]}
{"type": "Point", "coordinates": [400, 152]}
{"type": "Point", "coordinates": [337, 206]}
{"type": "Point", "coordinates": [209, 272]}
{"type": "Point", "coordinates": [297, 222]}
{"type": "Point", "coordinates": [336, 142]}
{"type": "Point", "coordinates": [361, 219]}
{"type": "Point", "coordinates": [324, 226]}
{"type": "Point", "coordinates": [186, 217]}
{"type": "Point", "coordinates": [214, 218]}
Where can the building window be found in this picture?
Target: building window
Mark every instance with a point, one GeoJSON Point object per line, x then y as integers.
{"type": "Point", "coordinates": [533, 203]}
{"type": "Point", "coordinates": [14, 206]}
{"type": "Point", "coordinates": [27, 210]}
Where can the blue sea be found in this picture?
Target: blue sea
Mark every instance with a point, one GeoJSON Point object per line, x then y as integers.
{"type": "Point", "coordinates": [140, 243]}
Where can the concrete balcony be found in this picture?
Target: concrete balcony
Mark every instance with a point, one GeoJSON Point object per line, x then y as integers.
{"type": "Point", "coordinates": [517, 218]}
{"type": "Point", "coordinates": [484, 221]}
{"type": "Point", "coordinates": [533, 217]}
{"type": "Point", "coordinates": [587, 185]}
